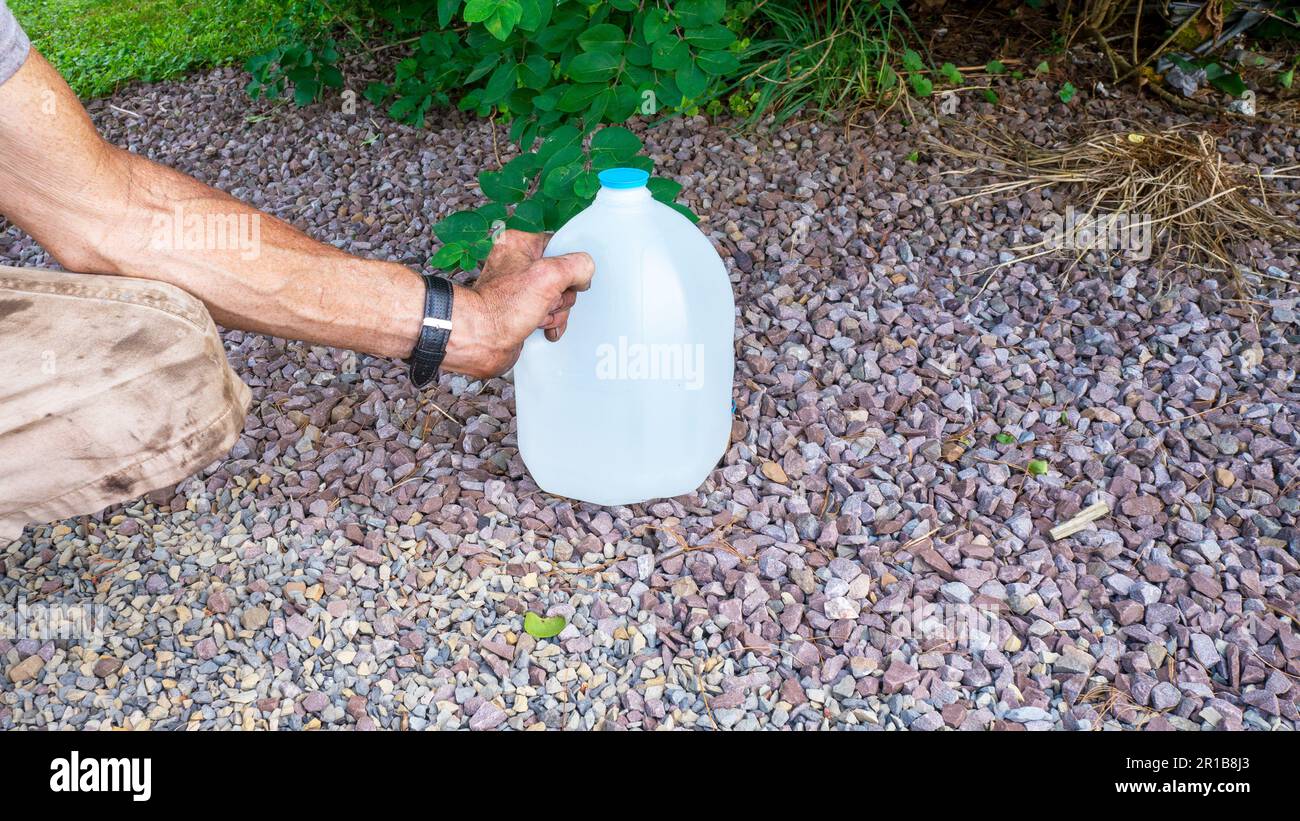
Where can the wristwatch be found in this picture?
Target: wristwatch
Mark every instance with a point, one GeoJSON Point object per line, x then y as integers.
{"type": "Point", "coordinates": [434, 331]}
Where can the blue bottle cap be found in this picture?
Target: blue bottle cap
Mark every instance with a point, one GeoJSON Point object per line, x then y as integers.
{"type": "Point", "coordinates": [623, 178]}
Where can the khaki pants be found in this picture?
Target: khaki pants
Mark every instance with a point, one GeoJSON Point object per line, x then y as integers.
{"type": "Point", "coordinates": [109, 388]}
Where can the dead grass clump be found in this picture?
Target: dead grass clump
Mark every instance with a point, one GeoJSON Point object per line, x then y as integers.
{"type": "Point", "coordinates": [1198, 208]}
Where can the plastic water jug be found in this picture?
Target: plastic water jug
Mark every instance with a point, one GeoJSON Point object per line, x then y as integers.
{"type": "Point", "coordinates": [634, 401]}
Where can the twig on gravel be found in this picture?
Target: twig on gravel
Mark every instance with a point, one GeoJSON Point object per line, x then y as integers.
{"type": "Point", "coordinates": [1185, 417]}
{"type": "Point", "coordinates": [1081, 520]}
{"type": "Point", "coordinates": [1114, 696]}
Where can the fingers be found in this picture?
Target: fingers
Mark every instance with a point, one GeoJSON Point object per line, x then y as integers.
{"type": "Point", "coordinates": [512, 252]}
{"type": "Point", "coordinates": [554, 334]}
{"type": "Point", "coordinates": [568, 271]}
{"type": "Point", "coordinates": [564, 301]}
{"type": "Point", "coordinates": [558, 315]}
{"type": "Point", "coordinates": [521, 242]}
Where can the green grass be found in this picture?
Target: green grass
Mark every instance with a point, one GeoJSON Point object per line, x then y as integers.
{"type": "Point", "coordinates": [835, 55]}
{"type": "Point", "coordinates": [99, 45]}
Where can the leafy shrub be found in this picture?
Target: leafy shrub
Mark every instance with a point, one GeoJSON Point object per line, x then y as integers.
{"type": "Point", "coordinates": [306, 59]}
{"type": "Point", "coordinates": [555, 70]}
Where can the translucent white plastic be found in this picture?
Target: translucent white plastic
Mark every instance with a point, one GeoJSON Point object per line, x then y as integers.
{"type": "Point", "coordinates": [634, 402]}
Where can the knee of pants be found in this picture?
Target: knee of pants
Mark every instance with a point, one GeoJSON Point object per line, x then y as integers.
{"type": "Point", "coordinates": [133, 392]}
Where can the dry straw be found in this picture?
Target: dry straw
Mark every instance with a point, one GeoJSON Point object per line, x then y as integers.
{"type": "Point", "coordinates": [1202, 209]}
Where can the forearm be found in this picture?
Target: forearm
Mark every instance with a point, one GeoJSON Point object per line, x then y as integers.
{"type": "Point", "coordinates": [99, 209]}
{"type": "Point", "coordinates": [253, 271]}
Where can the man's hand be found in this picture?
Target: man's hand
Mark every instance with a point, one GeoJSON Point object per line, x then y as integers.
{"type": "Point", "coordinates": [518, 292]}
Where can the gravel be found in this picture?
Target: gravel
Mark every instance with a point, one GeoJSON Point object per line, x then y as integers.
{"type": "Point", "coordinates": [871, 553]}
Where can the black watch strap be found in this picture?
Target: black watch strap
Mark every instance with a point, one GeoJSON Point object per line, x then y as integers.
{"type": "Point", "coordinates": [434, 333]}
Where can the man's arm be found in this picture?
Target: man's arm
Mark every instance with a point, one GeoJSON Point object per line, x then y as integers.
{"type": "Point", "coordinates": [98, 209]}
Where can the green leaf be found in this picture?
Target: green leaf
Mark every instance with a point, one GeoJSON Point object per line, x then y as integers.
{"type": "Point", "coordinates": [403, 107]}
{"type": "Point", "coordinates": [717, 63]}
{"type": "Point", "coordinates": [693, 13]}
{"type": "Point", "coordinates": [991, 96]}
{"type": "Point", "coordinates": [711, 37]}
{"type": "Point", "coordinates": [331, 76]}
{"type": "Point", "coordinates": [912, 61]}
{"type": "Point", "coordinates": [664, 189]}
{"type": "Point", "coordinates": [577, 97]}
{"type": "Point", "coordinates": [605, 37]}
{"type": "Point", "coordinates": [492, 212]}
{"type": "Point", "coordinates": [616, 140]}
{"type": "Point", "coordinates": [669, 54]}
{"type": "Point", "coordinates": [1037, 467]}
{"type": "Point", "coordinates": [499, 17]}
{"type": "Point", "coordinates": [507, 16]}
{"type": "Point", "coordinates": [462, 226]}
{"type": "Point", "coordinates": [656, 25]}
{"type": "Point", "coordinates": [692, 81]}
{"type": "Point", "coordinates": [378, 92]}
{"type": "Point", "coordinates": [476, 11]}
{"type": "Point", "coordinates": [559, 182]}
{"type": "Point", "coordinates": [586, 185]}
{"type": "Point", "coordinates": [540, 628]}
{"type": "Point", "coordinates": [923, 86]}
{"type": "Point", "coordinates": [536, 13]}
{"type": "Point", "coordinates": [305, 91]}
{"type": "Point", "coordinates": [595, 113]}
{"type": "Point", "coordinates": [1005, 439]}
{"type": "Point", "coordinates": [482, 67]}
{"type": "Point", "coordinates": [568, 155]}
{"type": "Point", "coordinates": [1042, 68]}
{"type": "Point", "coordinates": [1067, 93]}
{"type": "Point", "coordinates": [501, 83]}
{"type": "Point", "coordinates": [995, 67]}
{"type": "Point", "coordinates": [449, 256]}
{"type": "Point", "coordinates": [503, 186]}
{"type": "Point", "coordinates": [593, 67]}
{"type": "Point", "coordinates": [528, 216]}
{"type": "Point", "coordinates": [446, 11]}
{"type": "Point", "coordinates": [562, 137]}
{"type": "Point", "coordinates": [1229, 82]}
{"type": "Point", "coordinates": [525, 165]}
{"type": "Point", "coordinates": [1287, 78]}
{"type": "Point", "coordinates": [535, 72]}
{"type": "Point", "coordinates": [951, 74]}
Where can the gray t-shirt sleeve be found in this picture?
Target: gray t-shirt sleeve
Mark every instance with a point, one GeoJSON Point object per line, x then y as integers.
{"type": "Point", "coordinates": [13, 43]}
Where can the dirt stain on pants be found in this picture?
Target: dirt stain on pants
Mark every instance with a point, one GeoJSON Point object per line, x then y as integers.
{"type": "Point", "coordinates": [110, 387]}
